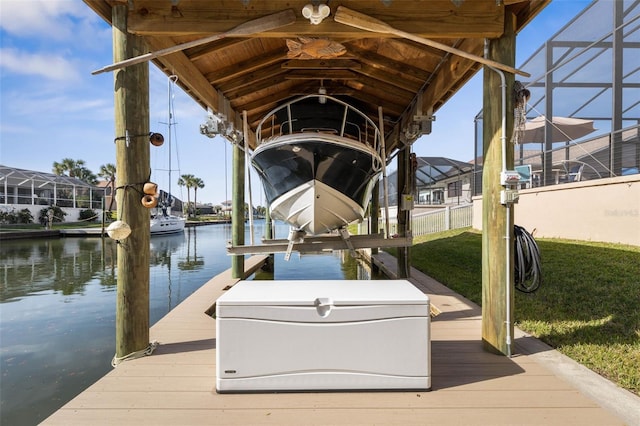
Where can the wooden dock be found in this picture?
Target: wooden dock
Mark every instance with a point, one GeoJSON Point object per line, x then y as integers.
{"type": "Point", "coordinates": [176, 385]}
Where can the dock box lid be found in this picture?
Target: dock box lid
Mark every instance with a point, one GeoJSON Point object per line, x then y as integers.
{"type": "Point", "coordinates": [307, 292]}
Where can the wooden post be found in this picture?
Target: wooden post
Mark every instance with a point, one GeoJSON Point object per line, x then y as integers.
{"type": "Point", "coordinates": [404, 261]}
{"type": "Point", "coordinates": [266, 270]}
{"type": "Point", "coordinates": [495, 216]}
{"type": "Point", "coordinates": [268, 226]}
{"type": "Point", "coordinates": [237, 210]}
{"type": "Point", "coordinates": [132, 163]}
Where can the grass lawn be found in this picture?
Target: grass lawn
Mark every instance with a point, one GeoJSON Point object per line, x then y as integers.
{"type": "Point", "coordinates": [588, 306]}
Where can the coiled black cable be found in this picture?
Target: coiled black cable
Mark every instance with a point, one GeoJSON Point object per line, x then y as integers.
{"type": "Point", "coordinates": [528, 273]}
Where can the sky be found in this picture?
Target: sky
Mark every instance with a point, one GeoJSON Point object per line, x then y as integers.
{"type": "Point", "coordinates": [52, 108]}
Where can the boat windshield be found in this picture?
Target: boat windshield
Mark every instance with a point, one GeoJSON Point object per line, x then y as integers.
{"type": "Point", "coordinates": [319, 114]}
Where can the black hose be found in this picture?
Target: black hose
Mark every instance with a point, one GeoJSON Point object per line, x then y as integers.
{"type": "Point", "coordinates": [528, 273]}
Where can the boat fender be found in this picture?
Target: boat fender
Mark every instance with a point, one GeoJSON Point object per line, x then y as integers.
{"type": "Point", "coordinates": [149, 201]}
{"type": "Point", "coordinates": [156, 139]}
{"type": "Point", "coordinates": [150, 188]}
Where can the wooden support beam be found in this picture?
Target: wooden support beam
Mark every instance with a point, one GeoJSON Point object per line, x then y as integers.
{"type": "Point", "coordinates": [433, 18]}
{"type": "Point", "coordinates": [404, 216]}
{"type": "Point", "coordinates": [396, 78]}
{"type": "Point", "coordinates": [131, 104]}
{"type": "Point", "coordinates": [178, 64]}
{"type": "Point", "coordinates": [383, 63]}
{"type": "Point", "coordinates": [236, 71]}
{"type": "Point", "coordinates": [323, 75]}
{"type": "Point", "coordinates": [237, 206]}
{"type": "Point", "coordinates": [497, 220]}
{"type": "Point", "coordinates": [247, 80]}
{"type": "Point", "coordinates": [321, 64]}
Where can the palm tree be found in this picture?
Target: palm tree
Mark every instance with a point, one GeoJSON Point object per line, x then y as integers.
{"type": "Point", "coordinates": [197, 183]}
{"type": "Point", "coordinates": [74, 168]}
{"type": "Point", "coordinates": [187, 180]}
{"type": "Point", "coordinates": [86, 175]}
{"type": "Point", "coordinates": [66, 165]}
{"type": "Point", "coordinates": [108, 171]}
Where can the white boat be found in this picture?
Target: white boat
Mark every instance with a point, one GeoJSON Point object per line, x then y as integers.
{"type": "Point", "coordinates": [318, 159]}
{"type": "Point", "coordinates": [166, 224]}
{"type": "Point", "coordinates": [162, 221]}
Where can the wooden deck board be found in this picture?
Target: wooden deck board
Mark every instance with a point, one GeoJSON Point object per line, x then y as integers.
{"type": "Point", "coordinates": [176, 385]}
{"type": "Point", "coordinates": [336, 416]}
{"type": "Point", "coordinates": [391, 400]}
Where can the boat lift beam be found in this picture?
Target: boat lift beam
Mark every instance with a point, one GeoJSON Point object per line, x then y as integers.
{"type": "Point", "coordinates": [322, 243]}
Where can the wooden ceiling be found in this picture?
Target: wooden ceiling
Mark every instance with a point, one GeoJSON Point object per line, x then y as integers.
{"type": "Point", "coordinates": [257, 72]}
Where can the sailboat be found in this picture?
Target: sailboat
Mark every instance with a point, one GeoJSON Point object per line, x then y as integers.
{"type": "Point", "coordinates": [162, 221]}
{"type": "Point", "coordinates": [318, 159]}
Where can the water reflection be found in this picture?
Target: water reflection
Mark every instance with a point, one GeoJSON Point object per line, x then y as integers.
{"type": "Point", "coordinates": [57, 298]}
{"type": "Point", "coordinates": [60, 265]}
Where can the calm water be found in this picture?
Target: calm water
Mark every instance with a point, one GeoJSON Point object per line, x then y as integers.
{"type": "Point", "coordinates": [57, 307]}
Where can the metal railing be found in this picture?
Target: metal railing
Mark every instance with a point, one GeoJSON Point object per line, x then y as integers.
{"type": "Point", "coordinates": [609, 155]}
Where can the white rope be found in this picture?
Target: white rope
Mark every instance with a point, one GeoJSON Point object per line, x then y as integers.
{"type": "Point", "coordinates": [133, 355]}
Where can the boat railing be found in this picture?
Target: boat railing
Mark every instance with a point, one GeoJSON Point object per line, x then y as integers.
{"type": "Point", "coordinates": [349, 129]}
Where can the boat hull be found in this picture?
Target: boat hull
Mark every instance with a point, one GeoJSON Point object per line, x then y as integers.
{"type": "Point", "coordinates": [162, 225]}
{"type": "Point", "coordinates": [317, 182]}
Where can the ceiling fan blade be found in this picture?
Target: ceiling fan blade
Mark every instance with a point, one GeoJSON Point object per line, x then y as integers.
{"type": "Point", "coordinates": [265, 23]}
{"type": "Point", "coordinates": [355, 19]}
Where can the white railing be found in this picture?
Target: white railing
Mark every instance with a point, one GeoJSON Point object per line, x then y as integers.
{"type": "Point", "coordinates": [449, 217]}
{"type": "Point", "coordinates": [442, 220]}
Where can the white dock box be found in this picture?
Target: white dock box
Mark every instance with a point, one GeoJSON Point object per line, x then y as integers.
{"type": "Point", "coordinates": [322, 335]}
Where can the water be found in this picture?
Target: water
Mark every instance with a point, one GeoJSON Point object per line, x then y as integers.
{"type": "Point", "coordinates": [57, 307]}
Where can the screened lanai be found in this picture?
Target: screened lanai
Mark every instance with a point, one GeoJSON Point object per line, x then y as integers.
{"type": "Point", "coordinates": [20, 187]}
{"type": "Point", "coordinates": [589, 71]}
{"type": "Point", "coordinates": [438, 180]}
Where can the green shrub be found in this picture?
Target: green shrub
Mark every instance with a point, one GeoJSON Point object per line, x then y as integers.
{"type": "Point", "coordinates": [8, 217]}
{"type": "Point", "coordinates": [24, 216]}
{"type": "Point", "coordinates": [58, 215]}
{"type": "Point", "coordinates": [88, 215]}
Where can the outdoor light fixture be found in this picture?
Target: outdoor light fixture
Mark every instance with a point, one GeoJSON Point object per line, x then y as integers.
{"type": "Point", "coordinates": [322, 91]}
{"type": "Point", "coordinates": [217, 124]}
{"type": "Point", "coordinates": [118, 230]}
{"type": "Point", "coordinates": [316, 13]}
{"type": "Point", "coordinates": [214, 125]}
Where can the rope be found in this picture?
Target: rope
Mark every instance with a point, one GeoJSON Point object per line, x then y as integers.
{"type": "Point", "coordinates": [137, 354]}
{"type": "Point", "coordinates": [528, 273]}
{"type": "Point", "coordinates": [521, 96]}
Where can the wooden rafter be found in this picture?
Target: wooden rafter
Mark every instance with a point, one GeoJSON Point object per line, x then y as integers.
{"type": "Point", "coordinates": [253, 72]}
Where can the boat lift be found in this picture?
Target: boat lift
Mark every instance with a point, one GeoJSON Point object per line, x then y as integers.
{"type": "Point", "coordinates": [320, 243]}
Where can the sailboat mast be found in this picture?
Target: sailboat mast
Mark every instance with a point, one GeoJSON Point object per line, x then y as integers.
{"type": "Point", "coordinates": [172, 79]}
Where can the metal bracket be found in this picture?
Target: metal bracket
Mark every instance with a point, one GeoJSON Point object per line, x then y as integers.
{"type": "Point", "coordinates": [346, 238]}
{"type": "Point", "coordinates": [321, 243]}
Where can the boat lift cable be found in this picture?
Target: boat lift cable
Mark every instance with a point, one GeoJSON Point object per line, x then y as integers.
{"type": "Point", "coordinates": [245, 132]}
{"type": "Point", "coordinates": [527, 265]}
{"type": "Point", "coordinates": [384, 172]}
